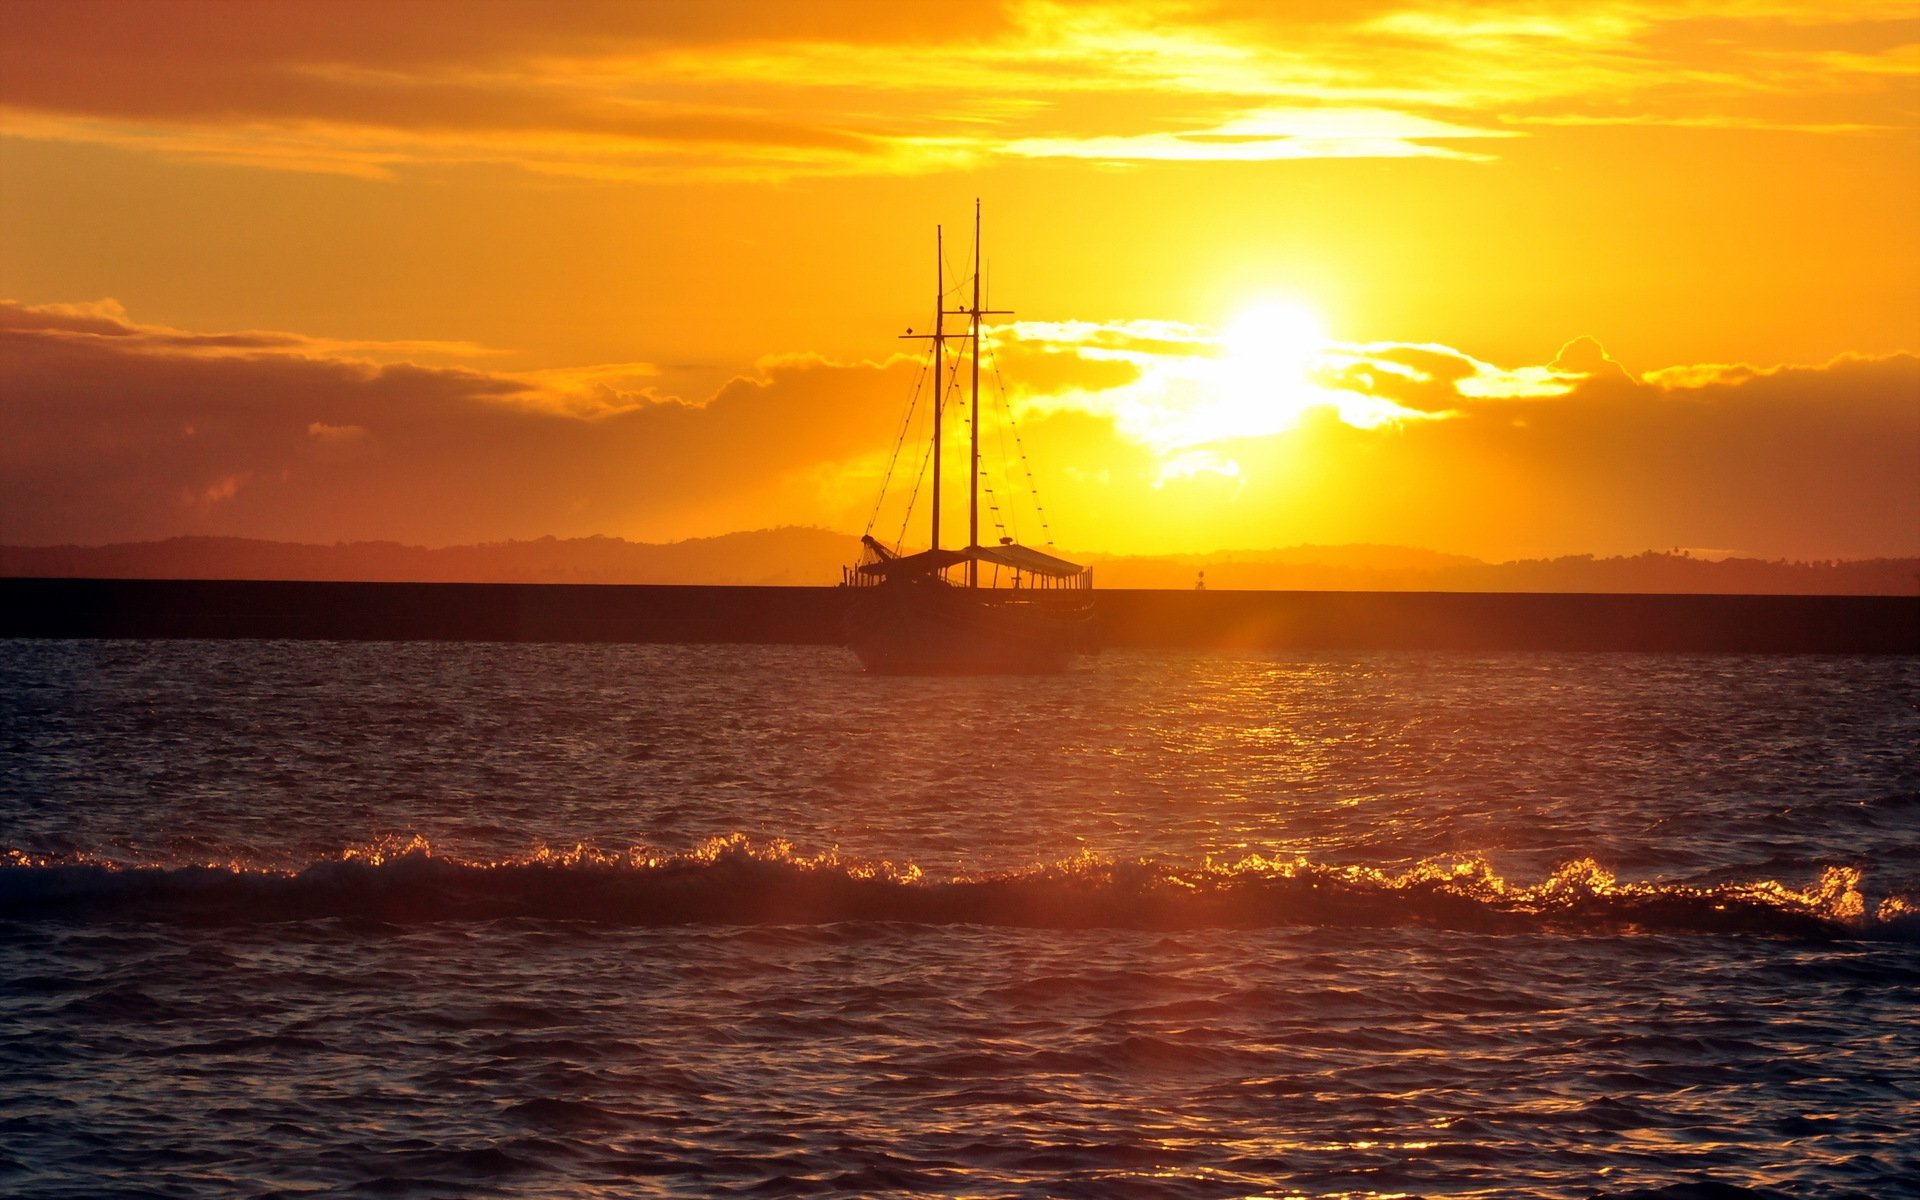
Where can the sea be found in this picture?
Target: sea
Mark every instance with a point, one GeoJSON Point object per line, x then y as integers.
{"type": "Point", "coordinates": [295, 918]}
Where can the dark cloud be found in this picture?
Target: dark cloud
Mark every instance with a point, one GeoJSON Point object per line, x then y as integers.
{"type": "Point", "coordinates": [1810, 462]}
{"type": "Point", "coordinates": [117, 431]}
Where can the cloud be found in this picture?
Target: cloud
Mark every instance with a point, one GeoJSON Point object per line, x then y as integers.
{"type": "Point", "coordinates": [772, 89]}
{"type": "Point", "coordinates": [1586, 356]}
{"type": "Point", "coordinates": [1171, 386]}
{"type": "Point", "coordinates": [108, 319]}
{"type": "Point", "coordinates": [1141, 435]}
{"type": "Point", "coordinates": [1271, 134]}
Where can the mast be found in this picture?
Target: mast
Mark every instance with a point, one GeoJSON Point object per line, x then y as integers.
{"type": "Point", "coordinates": [974, 313]}
{"type": "Point", "coordinates": [973, 483]}
{"type": "Point", "coordinates": [939, 352]}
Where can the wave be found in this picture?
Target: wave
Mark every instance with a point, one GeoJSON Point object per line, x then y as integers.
{"type": "Point", "coordinates": [731, 881]}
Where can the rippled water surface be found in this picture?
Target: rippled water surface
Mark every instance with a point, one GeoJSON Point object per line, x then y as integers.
{"type": "Point", "coordinates": [463, 920]}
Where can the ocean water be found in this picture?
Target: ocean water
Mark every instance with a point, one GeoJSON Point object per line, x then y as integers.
{"type": "Point", "coordinates": [538, 920]}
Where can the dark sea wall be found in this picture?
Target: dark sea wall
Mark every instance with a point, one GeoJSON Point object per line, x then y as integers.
{"type": "Point", "coordinates": [140, 608]}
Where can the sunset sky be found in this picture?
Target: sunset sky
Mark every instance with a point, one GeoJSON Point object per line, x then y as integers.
{"type": "Point", "coordinates": [1502, 280]}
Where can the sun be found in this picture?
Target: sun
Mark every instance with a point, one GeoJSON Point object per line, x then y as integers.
{"type": "Point", "coordinates": [1261, 382]}
{"type": "Point", "coordinates": [1272, 343]}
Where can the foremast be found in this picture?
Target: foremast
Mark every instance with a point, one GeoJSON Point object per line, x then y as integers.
{"type": "Point", "coordinates": [939, 339]}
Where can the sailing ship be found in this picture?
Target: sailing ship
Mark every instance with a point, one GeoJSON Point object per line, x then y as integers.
{"type": "Point", "coordinates": [1002, 608]}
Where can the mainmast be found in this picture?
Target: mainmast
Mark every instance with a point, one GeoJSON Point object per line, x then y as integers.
{"type": "Point", "coordinates": [973, 483]}
{"type": "Point", "coordinates": [973, 487]}
{"type": "Point", "coordinates": [939, 352]}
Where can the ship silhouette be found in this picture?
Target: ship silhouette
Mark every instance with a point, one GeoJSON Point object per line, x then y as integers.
{"type": "Point", "coordinates": [999, 608]}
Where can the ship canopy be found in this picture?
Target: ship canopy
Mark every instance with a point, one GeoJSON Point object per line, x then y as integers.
{"type": "Point", "coordinates": [927, 562]}
{"type": "Point", "coordinates": [1025, 558]}
{"type": "Point", "coordinates": [883, 563]}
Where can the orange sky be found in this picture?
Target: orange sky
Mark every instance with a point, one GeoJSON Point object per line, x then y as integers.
{"type": "Point", "coordinates": [1283, 273]}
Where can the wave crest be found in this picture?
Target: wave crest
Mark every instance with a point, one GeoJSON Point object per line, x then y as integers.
{"type": "Point", "coordinates": [732, 880]}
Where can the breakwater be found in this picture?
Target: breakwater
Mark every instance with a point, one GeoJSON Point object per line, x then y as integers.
{"type": "Point", "coordinates": [1225, 620]}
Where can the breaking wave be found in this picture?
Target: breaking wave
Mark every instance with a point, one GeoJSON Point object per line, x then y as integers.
{"type": "Point", "coordinates": [732, 881]}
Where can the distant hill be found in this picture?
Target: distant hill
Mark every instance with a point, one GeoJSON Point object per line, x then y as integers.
{"type": "Point", "coordinates": [1399, 569]}
{"type": "Point", "coordinates": [806, 556]}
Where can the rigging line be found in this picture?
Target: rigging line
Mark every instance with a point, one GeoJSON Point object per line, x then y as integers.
{"type": "Point", "coordinates": [913, 403]}
{"type": "Point", "coordinates": [997, 470]}
{"type": "Point", "coordinates": [960, 283]}
{"type": "Point", "coordinates": [953, 378]}
{"type": "Point", "coordinates": [1026, 464]}
{"type": "Point", "coordinates": [919, 477]}
{"type": "Point", "coordinates": [926, 456]}
{"type": "Point", "coordinates": [963, 278]}
{"type": "Point", "coordinates": [993, 510]}
{"type": "Point", "coordinates": [987, 477]}
{"type": "Point", "coordinates": [1006, 460]}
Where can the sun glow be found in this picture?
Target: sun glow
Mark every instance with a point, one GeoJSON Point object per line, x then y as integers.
{"type": "Point", "coordinates": [1189, 388]}
{"type": "Point", "coordinates": [1272, 344]}
{"type": "Point", "coordinates": [1266, 355]}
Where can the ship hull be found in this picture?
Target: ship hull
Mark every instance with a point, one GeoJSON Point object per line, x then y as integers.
{"type": "Point", "coordinates": [937, 630]}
